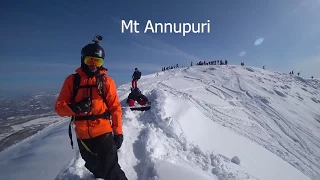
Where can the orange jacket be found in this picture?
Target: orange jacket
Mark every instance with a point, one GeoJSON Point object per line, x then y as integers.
{"type": "Point", "coordinates": [86, 129]}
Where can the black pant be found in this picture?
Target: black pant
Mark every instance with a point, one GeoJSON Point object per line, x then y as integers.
{"type": "Point", "coordinates": [105, 163]}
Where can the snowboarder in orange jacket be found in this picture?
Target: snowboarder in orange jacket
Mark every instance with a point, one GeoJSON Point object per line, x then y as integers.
{"type": "Point", "coordinates": [98, 136]}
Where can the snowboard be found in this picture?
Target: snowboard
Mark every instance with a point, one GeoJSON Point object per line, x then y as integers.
{"type": "Point", "coordinates": [140, 107]}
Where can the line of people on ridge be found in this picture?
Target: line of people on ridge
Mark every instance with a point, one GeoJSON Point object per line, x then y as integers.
{"type": "Point", "coordinates": [170, 67]}
{"type": "Point", "coordinates": [216, 62]}
{"type": "Point", "coordinates": [292, 73]}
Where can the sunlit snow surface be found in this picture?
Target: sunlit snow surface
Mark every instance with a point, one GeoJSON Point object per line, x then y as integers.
{"type": "Point", "coordinates": [200, 118]}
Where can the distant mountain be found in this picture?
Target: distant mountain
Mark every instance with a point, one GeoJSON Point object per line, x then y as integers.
{"type": "Point", "coordinates": [19, 117]}
{"type": "Point", "coordinates": [35, 104]}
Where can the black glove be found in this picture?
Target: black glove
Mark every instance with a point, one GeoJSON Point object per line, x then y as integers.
{"type": "Point", "coordinates": [83, 106]}
{"type": "Point", "coordinates": [118, 139]}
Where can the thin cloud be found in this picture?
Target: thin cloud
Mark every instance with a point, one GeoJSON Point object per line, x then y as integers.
{"type": "Point", "coordinates": [131, 66]}
{"type": "Point", "coordinates": [306, 14]}
{"type": "Point", "coordinates": [31, 87]}
{"type": "Point", "coordinates": [307, 67]}
{"type": "Point", "coordinates": [41, 64]}
{"type": "Point", "coordinates": [151, 49]}
{"type": "Point", "coordinates": [309, 11]}
{"type": "Point", "coordinates": [43, 68]}
{"type": "Point", "coordinates": [242, 53]}
{"type": "Point", "coordinates": [36, 69]}
{"type": "Point", "coordinates": [150, 43]}
{"type": "Point", "coordinates": [310, 6]}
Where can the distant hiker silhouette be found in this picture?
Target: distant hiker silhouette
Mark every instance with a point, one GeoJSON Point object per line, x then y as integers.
{"type": "Point", "coordinates": [135, 77]}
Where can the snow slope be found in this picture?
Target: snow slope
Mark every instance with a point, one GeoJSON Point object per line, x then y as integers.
{"type": "Point", "coordinates": [41, 156]}
{"type": "Point", "coordinates": [201, 118]}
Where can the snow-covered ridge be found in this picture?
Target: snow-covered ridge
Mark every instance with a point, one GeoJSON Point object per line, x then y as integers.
{"type": "Point", "coordinates": [275, 110]}
{"type": "Point", "coordinates": [201, 117]}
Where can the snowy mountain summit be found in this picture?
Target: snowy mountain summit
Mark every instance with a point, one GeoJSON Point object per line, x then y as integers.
{"type": "Point", "coordinates": [206, 122]}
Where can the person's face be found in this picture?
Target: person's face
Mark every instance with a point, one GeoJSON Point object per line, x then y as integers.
{"type": "Point", "coordinates": [93, 63]}
{"type": "Point", "coordinates": [93, 68]}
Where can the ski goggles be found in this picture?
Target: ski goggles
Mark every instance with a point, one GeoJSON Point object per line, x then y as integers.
{"type": "Point", "coordinates": [93, 61]}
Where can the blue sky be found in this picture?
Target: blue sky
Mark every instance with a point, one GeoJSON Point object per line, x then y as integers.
{"type": "Point", "coordinates": [41, 40]}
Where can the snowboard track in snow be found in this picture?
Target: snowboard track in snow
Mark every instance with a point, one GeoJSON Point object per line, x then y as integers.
{"type": "Point", "coordinates": [262, 107]}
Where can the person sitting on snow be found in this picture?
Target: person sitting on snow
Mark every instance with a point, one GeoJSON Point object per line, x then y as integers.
{"type": "Point", "coordinates": [136, 96]}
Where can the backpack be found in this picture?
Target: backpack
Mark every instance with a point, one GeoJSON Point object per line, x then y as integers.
{"type": "Point", "coordinates": [76, 86]}
{"type": "Point", "coordinates": [99, 85]}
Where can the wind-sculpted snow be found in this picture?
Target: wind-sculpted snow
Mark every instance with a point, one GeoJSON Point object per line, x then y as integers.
{"type": "Point", "coordinates": [203, 117]}
{"type": "Point", "coordinates": [263, 106]}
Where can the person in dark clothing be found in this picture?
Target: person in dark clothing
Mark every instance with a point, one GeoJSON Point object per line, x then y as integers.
{"type": "Point", "coordinates": [136, 96]}
{"type": "Point", "coordinates": [135, 77]}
